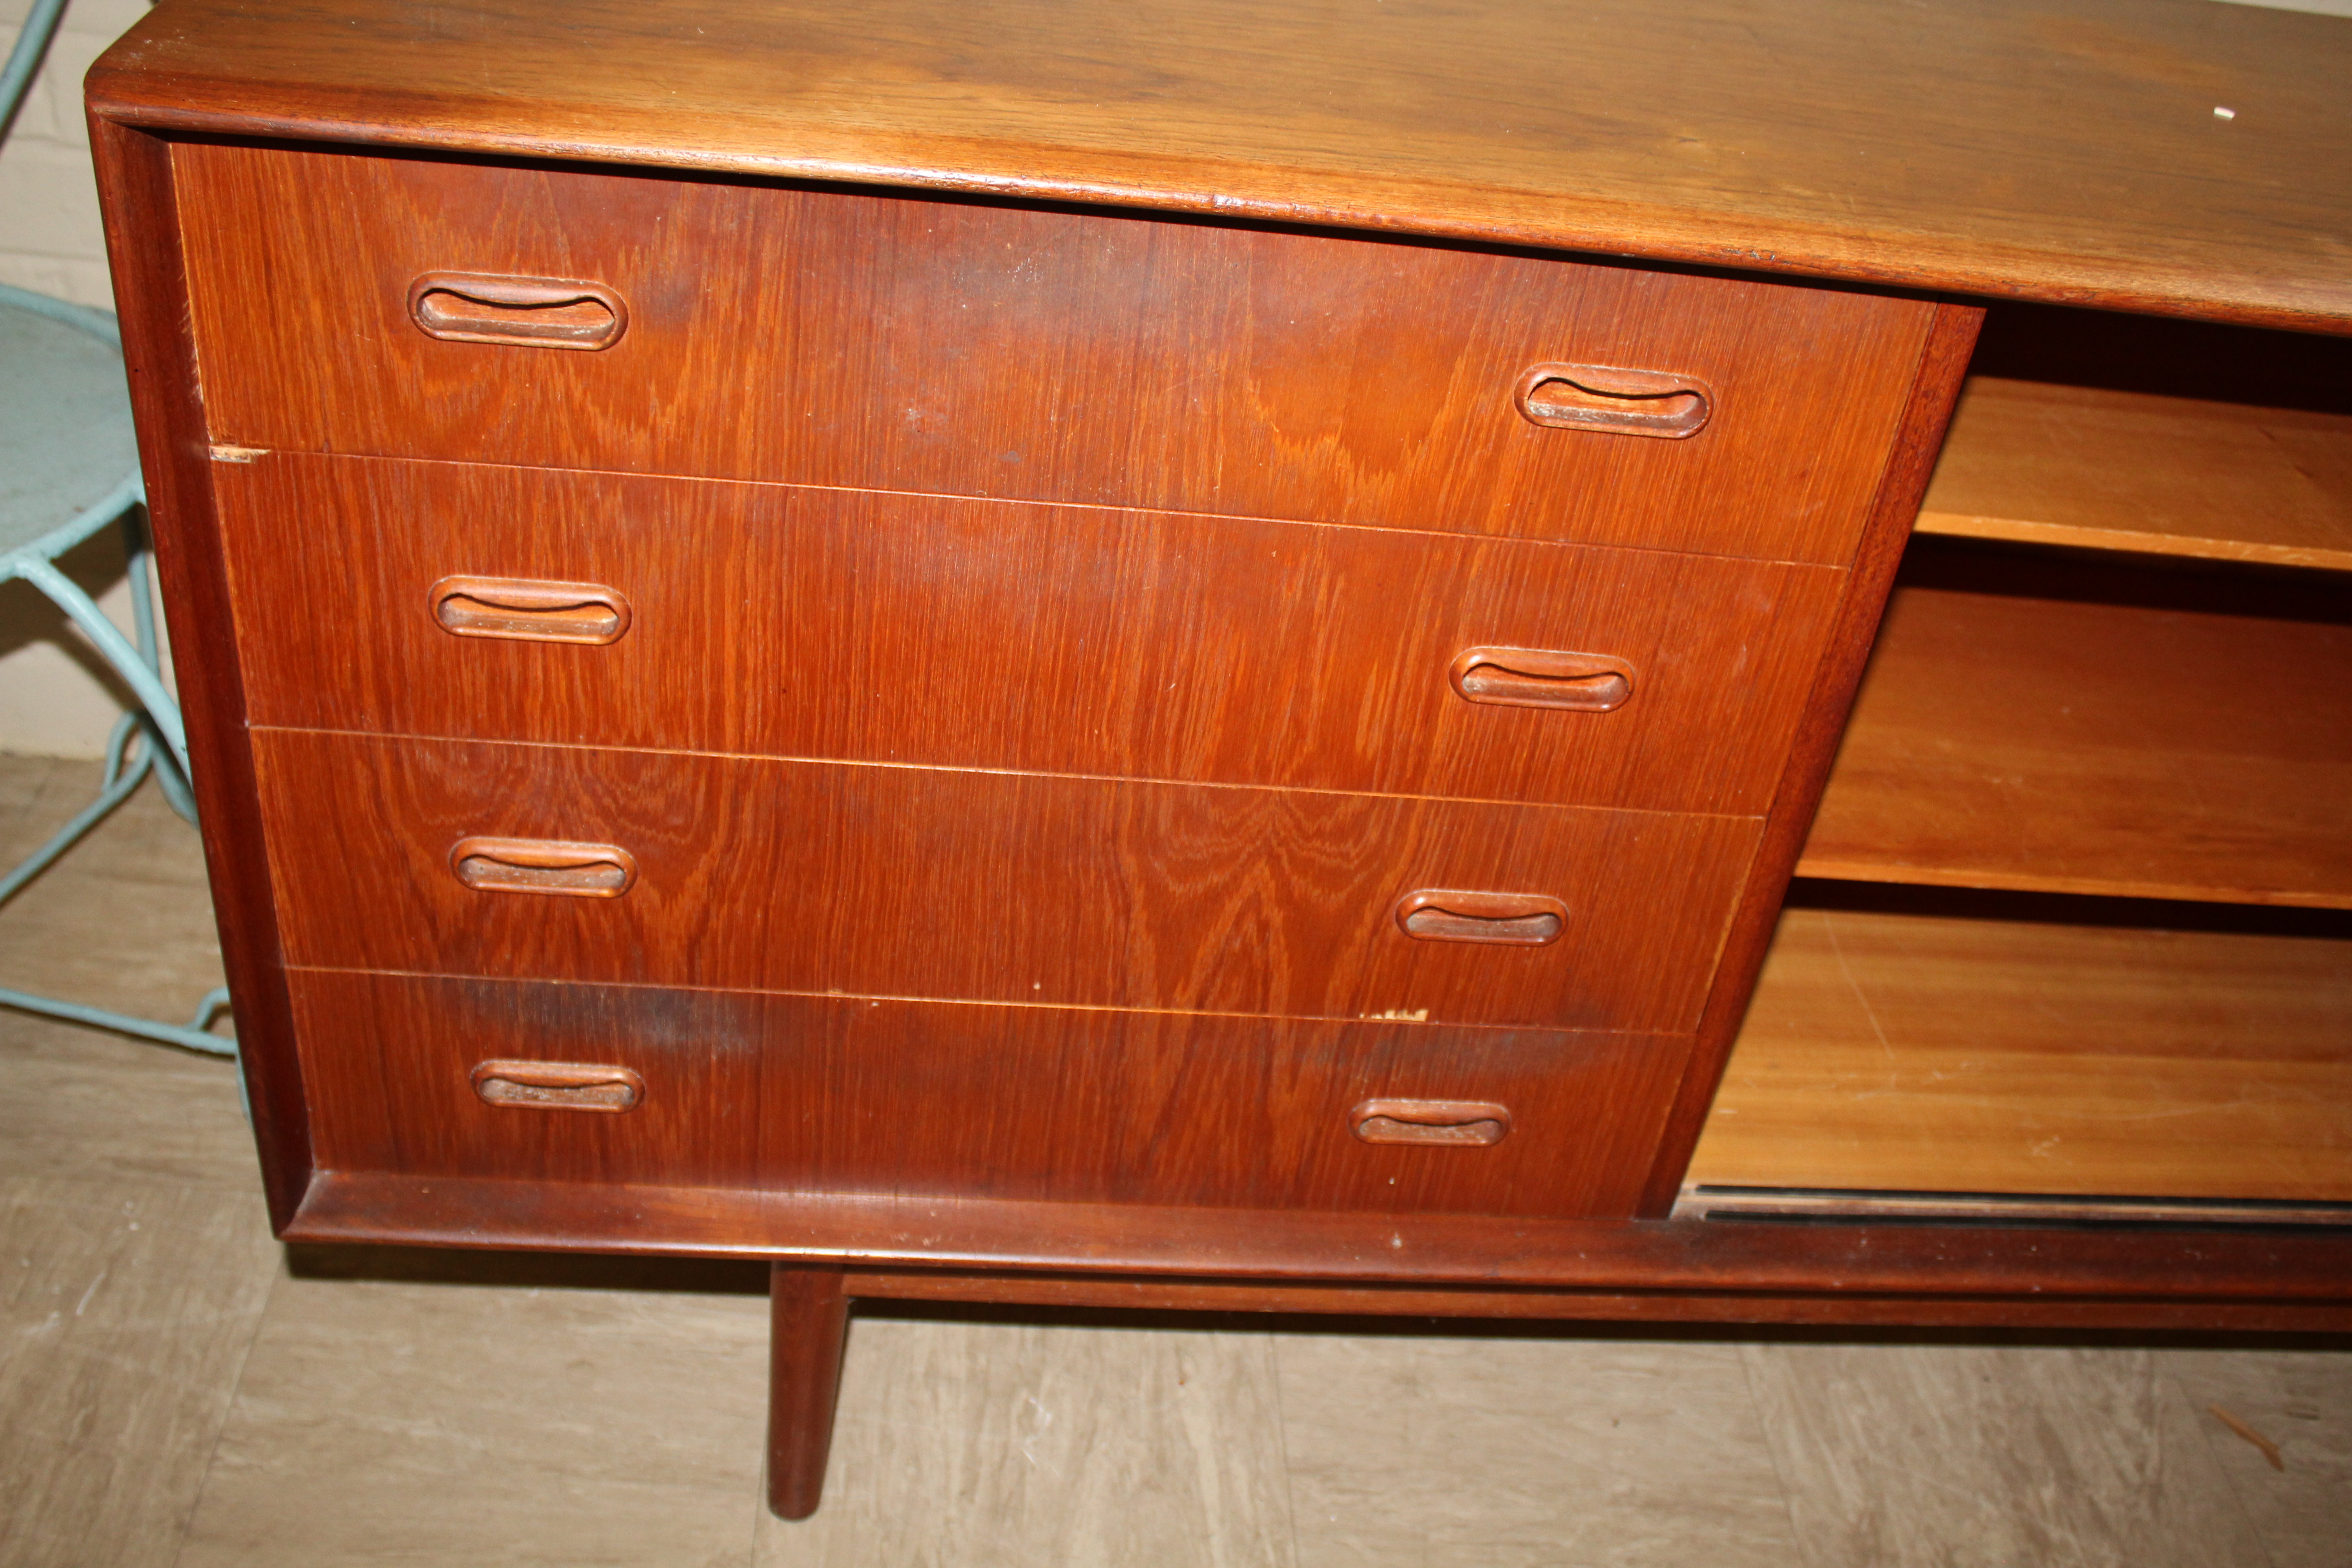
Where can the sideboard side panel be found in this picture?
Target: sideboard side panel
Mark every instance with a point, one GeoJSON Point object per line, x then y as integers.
{"type": "Point", "coordinates": [1935, 389]}
{"type": "Point", "coordinates": [140, 199]}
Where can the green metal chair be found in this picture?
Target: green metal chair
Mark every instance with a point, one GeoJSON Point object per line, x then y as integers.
{"type": "Point", "coordinates": [69, 468]}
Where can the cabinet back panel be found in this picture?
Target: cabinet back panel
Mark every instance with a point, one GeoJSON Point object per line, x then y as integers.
{"type": "Point", "coordinates": [792, 876]}
{"type": "Point", "coordinates": [841, 1095]}
{"type": "Point", "coordinates": [789, 622]}
{"type": "Point", "coordinates": [918, 343]}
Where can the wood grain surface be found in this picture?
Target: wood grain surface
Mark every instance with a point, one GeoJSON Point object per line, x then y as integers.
{"type": "Point", "coordinates": [919, 343]}
{"type": "Point", "coordinates": [894, 881]}
{"type": "Point", "coordinates": [2109, 469]}
{"type": "Point", "coordinates": [1917, 1052]}
{"type": "Point", "coordinates": [141, 199]}
{"type": "Point", "coordinates": [1811, 755]}
{"type": "Point", "coordinates": [840, 623]}
{"type": "Point", "coordinates": [1731, 1271]}
{"type": "Point", "coordinates": [808, 1321]}
{"type": "Point", "coordinates": [2076, 726]}
{"type": "Point", "coordinates": [1048, 1105]}
{"type": "Point", "coordinates": [2057, 149]}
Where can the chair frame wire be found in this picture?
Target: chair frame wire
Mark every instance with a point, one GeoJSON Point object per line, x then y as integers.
{"type": "Point", "coordinates": [155, 723]}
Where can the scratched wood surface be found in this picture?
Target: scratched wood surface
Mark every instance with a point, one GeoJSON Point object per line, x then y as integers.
{"type": "Point", "coordinates": [2085, 726]}
{"type": "Point", "coordinates": [150, 290]}
{"type": "Point", "coordinates": [846, 1095]}
{"type": "Point", "coordinates": [354, 1429]}
{"type": "Point", "coordinates": [910, 343]}
{"type": "Point", "coordinates": [2166, 437]}
{"type": "Point", "coordinates": [1908, 1051]}
{"type": "Point", "coordinates": [2103, 468]}
{"type": "Point", "coordinates": [2056, 149]}
{"type": "Point", "coordinates": [894, 881]}
{"type": "Point", "coordinates": [792, 622]}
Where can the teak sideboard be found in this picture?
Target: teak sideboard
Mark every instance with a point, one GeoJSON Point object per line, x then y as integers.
{"type": "Point", "coordinates": [1182, 655]}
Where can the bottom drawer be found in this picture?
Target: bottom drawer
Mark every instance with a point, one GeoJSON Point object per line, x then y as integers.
{"type": "Point", "coordinates": [850, 1095]}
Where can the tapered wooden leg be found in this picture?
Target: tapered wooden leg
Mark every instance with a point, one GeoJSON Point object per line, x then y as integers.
{"type": "Point", "coordinates": [809, 1325]}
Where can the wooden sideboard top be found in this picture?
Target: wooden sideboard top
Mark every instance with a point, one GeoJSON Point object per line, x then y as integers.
{"type": "Point", "coordinates": [2070, 151]}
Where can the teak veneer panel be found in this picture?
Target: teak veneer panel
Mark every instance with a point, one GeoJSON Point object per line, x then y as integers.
{"type": "Point", "coordinates": [2062, 149]}
{"type": "Point", "coordinates": [1643, 1270]}
{"type": "Point", "coordinates": [2118, 470]}
{"type": "Point", "coordinates": [1014, 984]}
{"type": "Point", "coordinates": [918, 343]}
{"type": "Point", "coordinates": [1919, 1053]}
{"type": "Point", "coordinates": [2077, 728]}
{"type": "Point", "coordinates": [896, 881]}
{"type": "Point", "coordinates": [789, 622]}
{"type": "Point", "coordinates": [848, 1095]}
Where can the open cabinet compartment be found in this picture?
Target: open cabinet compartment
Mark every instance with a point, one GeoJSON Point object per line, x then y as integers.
{"type": "Point", "coordinates": [2073, 937]}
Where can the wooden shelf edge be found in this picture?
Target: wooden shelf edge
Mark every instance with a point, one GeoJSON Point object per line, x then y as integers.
{"type": "Point", "coordinates": [2158, 466]}
{"type": "Point", "coordinates": [1956, 525]}
{"type": "Point", "coordinates": [2053, 725]}
{"type": "Point", "coordinates": [1830, 869]}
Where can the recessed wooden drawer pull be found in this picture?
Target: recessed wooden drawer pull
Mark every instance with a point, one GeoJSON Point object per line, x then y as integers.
{"type": "Point", "coordinates": [523, 312]}
{"type": "Point", "coordinates": [1448, 1123]}
{"type": "Point", "coordinates": [543, 866]}
{"type": "Point", "coordinates": [524, 611]}
{"type": "Point", "coordinates": [1514, 920]}
{"type": "Point", "coordinates": [1615, 402]}
{"type": "Point", "coordinates": [558, 1086]}
{"type": "Point", "coordinates": [1542, 678]}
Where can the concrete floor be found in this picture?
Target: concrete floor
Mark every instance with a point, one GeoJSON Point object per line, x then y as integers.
{"type": "Point", "coordinates": [176, 1389]}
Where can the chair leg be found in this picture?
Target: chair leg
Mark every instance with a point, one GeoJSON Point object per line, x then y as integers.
{"type": "Point", "coordinates": [809, 1328]}
{"type": "Point", "coordinates": [121, 784]}
{"type": "Point", "coordinates": [163, 749]}
{"type": "Point", "coordinates": [117, 649]}
{"type": "Point", "coordinates": [136, 557]}
{"type": "Point", "coordinates": [124, 774]}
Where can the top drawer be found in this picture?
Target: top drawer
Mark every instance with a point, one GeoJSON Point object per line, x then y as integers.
{"type": "Point", "coordinates": [918, 343]}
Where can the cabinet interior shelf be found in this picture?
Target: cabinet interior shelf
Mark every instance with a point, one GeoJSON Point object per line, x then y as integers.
{"type": "Point", "coordinates": [1934, 1048]}
{"type": "Point", "coordinates": [2163, 437]}
{"type": "Point", "coordinates": [2047, 463]}
{"type": "Point", "coordinates": [2051, 721]}
{"type": "Point", "coordinates": [2161, 706]}
{"type": "Point", "coordinates": [2116, 669]}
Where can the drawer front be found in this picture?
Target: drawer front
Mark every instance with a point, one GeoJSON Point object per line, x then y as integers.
{"type": "Point", "coordinates": [835, 1095]}
{"type": "Point", "coordinates": [920, 343]}
{"type": "Point", "coordinates": [883, 881]}
{"type": "Point", "coordinates": [793, 622]}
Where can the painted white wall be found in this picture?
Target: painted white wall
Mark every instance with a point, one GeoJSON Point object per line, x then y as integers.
{"type": "Point", "coordinates": [53, 699]}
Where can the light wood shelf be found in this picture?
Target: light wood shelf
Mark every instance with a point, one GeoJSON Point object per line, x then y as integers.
{"type": "Point", "coordinates": [2047, 463]}
{"type": "Point", "coordinates": [1930, 1053]}
{"type": "Point", "coordinates": [2077, 728]}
